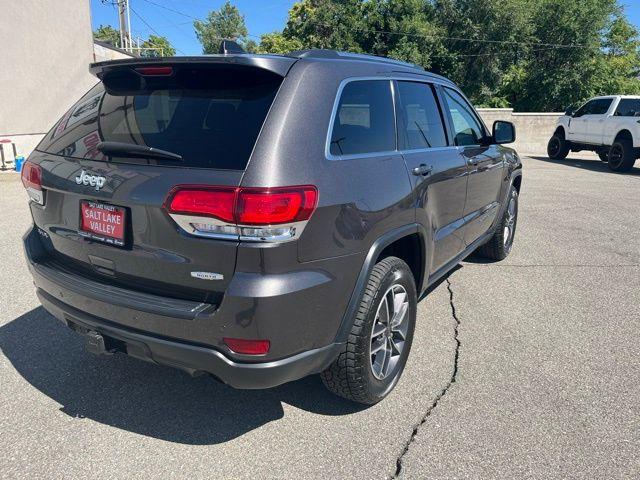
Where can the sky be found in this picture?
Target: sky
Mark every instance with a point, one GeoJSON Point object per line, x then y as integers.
{"type": "Point", "coordinates": [174, 19]}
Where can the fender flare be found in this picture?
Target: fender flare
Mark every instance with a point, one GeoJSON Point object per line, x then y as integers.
{"type": "Point", "coordinates": [369, 262]}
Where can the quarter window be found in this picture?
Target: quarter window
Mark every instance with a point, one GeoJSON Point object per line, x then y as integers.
{"type": "Point", "coordinates": [364, 121]}
{"type": "Point", "coordinates": [467, 129]}
{"type": "Point", "coordinates": [419, 120]}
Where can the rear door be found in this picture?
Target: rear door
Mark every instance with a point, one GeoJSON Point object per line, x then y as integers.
{"type": "Point", "coordinates": [437, 170]}
{"type": "Point", "coordinates": [485, 165]}
{"type": "Point", "coordinates": [105, 213]}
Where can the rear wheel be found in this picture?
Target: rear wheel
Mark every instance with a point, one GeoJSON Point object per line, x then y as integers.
{"type": "Point", "coordinates": [376, 351]}
{"type": "Point", "coordinates": [604, 155]}
{"type": "Point", "coordinates": [500, 244]}
{"type": "Point", "coordinates": [621, 155]}
{"type": "Point", "coordinates": [558, 148]}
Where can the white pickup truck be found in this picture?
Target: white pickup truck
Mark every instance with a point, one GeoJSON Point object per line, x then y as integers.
{"type": "Point", "coordinates": [609, 126]}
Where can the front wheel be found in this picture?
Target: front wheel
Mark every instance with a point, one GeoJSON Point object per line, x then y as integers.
{"type": "Point", "coordinates": [375, 354]}
{"type": "Point", "coordinates": [500, 244]}
{"type": "Point", "coordinates": [558, 148]}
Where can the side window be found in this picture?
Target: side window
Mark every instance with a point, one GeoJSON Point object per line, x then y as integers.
{"type": "Point", "coordinates": [600, 106]}
{"type": "Point", "coordinates": [584, 109]}
{"type": "Point", "coordinates": [419, 120]}
{"type": "Point", "coordinates": [628, 107]}
{"type": "Point", "coordinates": [467, 128]}
{"type": "Point", "coordinates": [364, 121]}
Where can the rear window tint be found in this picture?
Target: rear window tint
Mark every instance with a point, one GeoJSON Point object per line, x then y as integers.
{"type": "Point", "coordinates": [364, 122]}
{"type": "Point", "coordinates": [628, 107]}
{"type": "Point", "coordinates": [419, 120]}
{"type": "Point", "coordinates": [211, 124]}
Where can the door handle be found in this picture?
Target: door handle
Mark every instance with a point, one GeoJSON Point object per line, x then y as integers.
{"type": "Point", "coordinates": [422, 170]}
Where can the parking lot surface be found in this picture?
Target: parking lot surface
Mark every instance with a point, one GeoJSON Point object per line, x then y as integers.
{"type": "Point", "coordinates": [527, 368]}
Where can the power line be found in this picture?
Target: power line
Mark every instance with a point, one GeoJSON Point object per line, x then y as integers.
{"type": "Point", "coordinates": [464, 39]}
{"type": "Point", "coordinates": [150, 27]}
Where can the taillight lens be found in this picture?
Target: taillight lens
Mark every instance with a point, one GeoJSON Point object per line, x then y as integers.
{"type": "Point", "coordinates": [275, 206]}
{"type": "Point", "coordinates": [247, 347]}
{"type": "Point", "coordinates": [215, 202]}
{"type": "Point", "coordinates": [253, 214]}
{"type": "Point", "coordinates": [32, 180]}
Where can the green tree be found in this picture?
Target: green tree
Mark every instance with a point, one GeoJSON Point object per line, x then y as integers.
{"type": "Point", "coordinates": [225, 23]}
{"type": "Point", "coordinates": [276, 42]}
{"type": "Point", "coordinates": [161, 44]}
{"type": "Point", "coordinates": [106, 33]}
{"type": "Point", "coordinates": [621, 62]}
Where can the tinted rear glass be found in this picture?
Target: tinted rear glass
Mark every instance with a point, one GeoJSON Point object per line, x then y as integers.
{"type": "Point", "coordinates": [364, 121]}
{"type": "Point", "coordinates": [628, 107]}
{"type": "Point", "coordinates": [419, 120]}
{"type": "Point", "coordinates": [210, 118]}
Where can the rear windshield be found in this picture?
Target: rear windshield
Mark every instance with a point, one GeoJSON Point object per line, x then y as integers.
{"type": "Point", "coordinates": [210, 118]}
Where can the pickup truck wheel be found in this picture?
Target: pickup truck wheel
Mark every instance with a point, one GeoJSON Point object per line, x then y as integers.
{"type": "Point", "coordinates": [375, 354]}
{"type": "Point", "coordinates": [604, 155]}
{"type": "Point", "coordinates": [499, 246]}
{"type": "Point", "coordinates": [621, 155]}
{"type": "Point", "coordinates": [558, 148]}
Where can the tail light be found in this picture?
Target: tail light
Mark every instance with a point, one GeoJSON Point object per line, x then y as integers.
{"type": "Point", "coordinates": [252, 214]}
{"type": "Point", "coordinates": [32, 180]}
{"type": "Point", "coordinates": [247, 347]}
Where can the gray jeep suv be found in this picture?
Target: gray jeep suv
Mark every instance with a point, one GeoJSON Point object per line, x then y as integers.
{"type": "Point", "coordinates": [261, 218]}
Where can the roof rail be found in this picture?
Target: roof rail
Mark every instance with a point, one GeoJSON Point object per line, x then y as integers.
{"type": "Point", "coordinates": [336, 55]}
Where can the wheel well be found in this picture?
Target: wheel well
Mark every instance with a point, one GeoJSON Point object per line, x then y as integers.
{"type": "Point", "coordinates": [559, 131]}
{"type": "Point", "coordinates": [517, 182]}
{"type": "Point", "coordinates": [624, 134]}
{"type": "Point", "coordinates": [409, 249]}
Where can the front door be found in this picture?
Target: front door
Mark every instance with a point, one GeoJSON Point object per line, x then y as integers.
{"type": "Point", "coordinates": [485, 166]}
{"type": "Point", "coordinates": [437, 170]}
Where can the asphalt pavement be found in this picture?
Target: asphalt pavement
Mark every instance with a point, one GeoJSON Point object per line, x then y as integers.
{"type": "Point", "coordinates": [526, 368]}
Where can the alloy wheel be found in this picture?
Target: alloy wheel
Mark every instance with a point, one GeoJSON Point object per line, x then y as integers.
{"type": "Point", "coordinates": [510, 223]}
{"type": "Point", "coordinates": [389, 331]}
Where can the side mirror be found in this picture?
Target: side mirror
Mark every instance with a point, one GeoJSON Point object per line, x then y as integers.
{"type": "Point", "coordinates": [570, 111]}
{"type": "Point", "coordinates": [503, 132]}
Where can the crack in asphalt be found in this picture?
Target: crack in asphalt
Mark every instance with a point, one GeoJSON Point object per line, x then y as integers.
{"type": "Point", "coordinates": [442, 393]}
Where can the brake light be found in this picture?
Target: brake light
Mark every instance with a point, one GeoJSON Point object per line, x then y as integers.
{"type": "Point", "coordinates": [267, 214]}
{"type": "Point", "coordinates": [247, 347]}
{"type": "Point", "coordinates": [257, 206]}
{"type": "Point", "coordinates": [155, 71]}
{"type": "Point", "coordinates": [32, 180]}
{"type": "Point", "coordinates": [217, 202]}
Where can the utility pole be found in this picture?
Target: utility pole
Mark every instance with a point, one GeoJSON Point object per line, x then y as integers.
{"type": "Point", "coordinates": [125, 24]}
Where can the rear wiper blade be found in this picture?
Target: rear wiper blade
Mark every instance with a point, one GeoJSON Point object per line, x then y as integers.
{"type": "Point", "coordinates": [133, 150]}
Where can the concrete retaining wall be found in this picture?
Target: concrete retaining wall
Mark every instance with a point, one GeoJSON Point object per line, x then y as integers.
{"type": "Point", "coordinates": [533, 130]}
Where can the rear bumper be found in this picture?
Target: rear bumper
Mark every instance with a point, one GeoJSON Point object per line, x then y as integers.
{"type": "Point", "coordinates": [196, 359]}
{"type": "Point", "coordinates": [131, 321]}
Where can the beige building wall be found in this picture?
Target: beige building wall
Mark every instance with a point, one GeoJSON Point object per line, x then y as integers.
{"type": "Point", "coordinates": [45, 50]}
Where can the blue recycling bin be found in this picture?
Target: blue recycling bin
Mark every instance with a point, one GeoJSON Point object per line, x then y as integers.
{"type": "Point", "coordinates": [18, 163]}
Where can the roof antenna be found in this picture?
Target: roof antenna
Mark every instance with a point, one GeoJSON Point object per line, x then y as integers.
{"type": "Point", "coordinates": [229, 46]}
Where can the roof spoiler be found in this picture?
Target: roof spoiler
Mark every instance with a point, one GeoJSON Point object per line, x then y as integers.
{"type": "Point", "coordinates": [279, 65]}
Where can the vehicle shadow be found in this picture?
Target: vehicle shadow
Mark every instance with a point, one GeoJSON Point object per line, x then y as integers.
{"type": "Point", "coordinates": [144, 398]}
{"type": "Point", "coordinates": [593, 165]}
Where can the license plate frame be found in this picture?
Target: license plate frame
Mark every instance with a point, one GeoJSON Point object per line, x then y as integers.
{"type": "Point", "coordinates": [105, 223]}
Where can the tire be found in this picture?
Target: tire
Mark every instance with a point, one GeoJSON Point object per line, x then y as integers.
{"type": "Point", "coordinates": [604, 155]}
{"type": "Point", "coordinates": [500, 244]}
{"type": "Point", "coordinates": [358, 374]}
{"type": "Point", "coordinates": [622, 155]}
{"type": "Point", "coordinates": [558, 148]}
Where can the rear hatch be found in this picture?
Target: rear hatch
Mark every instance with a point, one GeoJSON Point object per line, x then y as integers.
{"type": "Point", "coordinates": [104, 213]}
